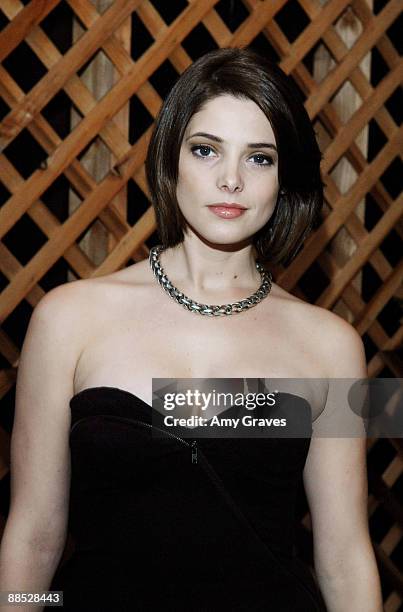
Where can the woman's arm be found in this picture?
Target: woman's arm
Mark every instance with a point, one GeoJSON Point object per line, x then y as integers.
{"type": "Point", "coordinates": [36, 529]}
{"type": "Point", "coordinates": [335, 481]}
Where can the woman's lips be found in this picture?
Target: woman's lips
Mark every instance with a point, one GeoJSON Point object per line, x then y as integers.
{"type": "Point", "coordinates": [227, 212]}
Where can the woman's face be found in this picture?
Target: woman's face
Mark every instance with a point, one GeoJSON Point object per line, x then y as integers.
{"type": "Point", "coordinates": [228, 156]}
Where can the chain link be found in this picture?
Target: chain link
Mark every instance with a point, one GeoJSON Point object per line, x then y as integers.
{"type": "Point", "coordinates": [205, 309]}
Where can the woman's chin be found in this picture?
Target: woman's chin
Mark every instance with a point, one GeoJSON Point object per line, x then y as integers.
{"type": "Point", "coordinates": [225, 242]}
{"type": "Point", "coordinates": [226, 239]}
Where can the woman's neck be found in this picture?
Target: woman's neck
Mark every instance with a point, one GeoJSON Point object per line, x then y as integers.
{"type": "Point", "coordinates": [193, 265]}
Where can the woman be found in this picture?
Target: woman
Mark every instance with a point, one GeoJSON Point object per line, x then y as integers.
{"type": "Point", "coordinates": [233, 170]}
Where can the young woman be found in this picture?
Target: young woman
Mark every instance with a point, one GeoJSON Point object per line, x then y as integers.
{"type": "Point", "coordinates": [233, 170]}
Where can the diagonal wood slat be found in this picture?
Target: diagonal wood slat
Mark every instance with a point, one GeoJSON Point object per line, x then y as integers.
{"type": "Point", "coordinates": [68, 65]}
{"type": "Point", "coordinates": [24, 21]}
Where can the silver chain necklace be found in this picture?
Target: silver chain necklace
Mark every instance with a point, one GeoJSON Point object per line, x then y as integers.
{"type": "Point", "coordinates": [205, 309]}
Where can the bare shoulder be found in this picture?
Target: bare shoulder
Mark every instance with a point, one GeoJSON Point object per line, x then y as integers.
{"type": "Point", "coordinates": [78, 305]}
{"type": "Point", "coordinates": [67, 302]}
{"type": "Point", "coordinates": [134, 277]}
{"type": "Point", "coordinates": [336, 342]}
{"type": "Point", "coordinates": [70, 310]}
{"type": "Point", "coordinates": [83, 291]}
{"type": "Point", "coordinates": [54, 333]}
{"type": "Point", "coordinates": [86, 301]}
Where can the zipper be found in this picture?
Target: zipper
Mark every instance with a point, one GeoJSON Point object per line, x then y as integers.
{"type": "Point", "coordinates": [210, 471]}
{"type": "Point", "coordinates": [194, 451]}
{"type": "Point", "coordinates": [245, 521]}
{"type": "Point", "coordinates": [192, 445]}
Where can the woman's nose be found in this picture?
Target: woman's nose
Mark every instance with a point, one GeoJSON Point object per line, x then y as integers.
{"type": "Point", "coordinates": [230, 178]}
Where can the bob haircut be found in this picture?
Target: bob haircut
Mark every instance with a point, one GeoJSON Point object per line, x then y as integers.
{"type": "Point", "coordinates": [246, 75]}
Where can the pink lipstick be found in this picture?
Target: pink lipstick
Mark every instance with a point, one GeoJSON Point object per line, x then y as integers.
{"type": "Point", "coordinates": [227, 211]}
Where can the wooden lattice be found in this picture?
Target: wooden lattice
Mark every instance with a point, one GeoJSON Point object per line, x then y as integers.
{"type": "Point", "coordinates": [138, 44]}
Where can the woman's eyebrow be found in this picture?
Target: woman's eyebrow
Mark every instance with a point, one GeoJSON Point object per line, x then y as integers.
{"type": "Point", "coordinates": [250, 145]}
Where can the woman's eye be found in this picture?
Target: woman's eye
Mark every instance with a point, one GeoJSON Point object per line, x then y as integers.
{"type": "Point", "coordinates": [204, 150]}
{"type": "Point", "coordinates": [262, 160]}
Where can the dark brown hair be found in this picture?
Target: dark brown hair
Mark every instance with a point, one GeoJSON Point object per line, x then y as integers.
{"type": "Point", "coordinates": [243, 74]}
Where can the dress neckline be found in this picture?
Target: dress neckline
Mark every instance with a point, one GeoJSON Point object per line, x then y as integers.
{"type": "Point", "coordinates": [136, 397]}
{"type": "Point", "coordinates": [148, 407]}
{"type": "Point", "coordinates": [109, 388]}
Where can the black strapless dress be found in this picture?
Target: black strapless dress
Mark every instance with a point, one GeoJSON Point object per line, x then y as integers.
{"type": "Point", "coordinates": [167, 524]}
